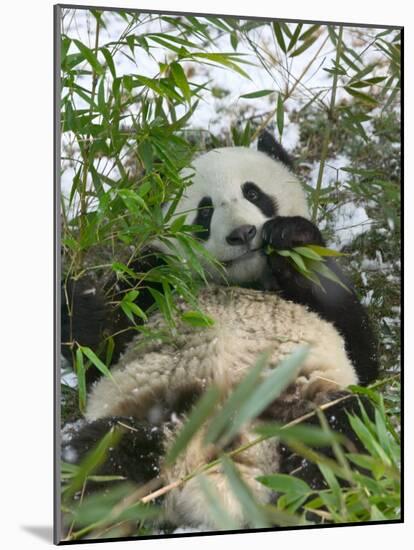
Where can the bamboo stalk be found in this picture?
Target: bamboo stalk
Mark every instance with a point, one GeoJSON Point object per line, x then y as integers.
{"type": "Point", "coordinates": [328, 129]}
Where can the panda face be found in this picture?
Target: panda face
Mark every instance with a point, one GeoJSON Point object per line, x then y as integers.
{"type": "Point", "coordinates": [234, 191]}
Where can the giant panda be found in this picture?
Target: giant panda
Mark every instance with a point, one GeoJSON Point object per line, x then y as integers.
{"type": "Point", "coordinates": [242, 200]}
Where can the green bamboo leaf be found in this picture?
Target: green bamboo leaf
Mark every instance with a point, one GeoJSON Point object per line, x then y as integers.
{"type": "Point", "coordinates": [146, 154]}
{"type": "Point", "coordinates": [125, 306]}
{"type": "Point", "coordinates": [197, 319]}
{"type": "Point", "coordinates": [298, 261]}
{"type": "Point", "coordinates": [202, 410]}
{"type": "Point", "coordinates": [309, 435]}
{"type": "Point", "coordinates": [181, 80]}
{"type": "Point", "coordinates": [308, 33]}
{"type": "Point", "coordinates": [295, 36]}
{"type": "Point", "coordinates": [365, 83]}
{"type": "Point", "coordinates": [94, 359]}
{"type": "Point", "coordinates": [234, 41]}
{"type": "Point", "coordinates": [133, 201]}
{"type": "Point", "coordinates": [254, 514]}
{"type": "Point", "coordinates": [219, 514]}
{"type": "Point", "coordinates": [80, 373]}
{"type": "Point", "coordinates": [90, 56]}
{"type": "Point", "coordinates": [109, 60]}
{"type": "Point", "coordinates": [279, 36]}
{"type": "Point", "coordinates": [267, 391]}
{"type": "Point", "coordinates": [110, 350]}
{"type": "Point", "coordinates": [365, 436]}
{"type": "Point", "coordinates": [223, 59]}
{"type": "Point", "coordinates": [365, 98]}
{"type": "Point", "coordinates": [136, 310]}
{"type": "Point", "coordinates": [280, 115]}
{"type": "Point", "coordinates": [324, 270]}
{"type": "Point", "coordinates": [307, 44]}
{"type": "Point", "coordinates": [240, 394]}
{"type": "Point", "coordinates": [178, 223]}
{"type": "Point", "coordinates": [323, 251]}
{"type": "Point", "coordinates": [102, 508]}
{"type": "Point", "coordinates": [64, 48]}
{"type": "Point", "coordinates": [71, 60]}
{"type": "Point", "coordinates": [122, 268]}
{"type": "Point", "coordinates": [260, 93]}
{"type": "Point", "coordinates": [333, 484]}
{"type": "Point", "coordinates": [286, 484]}
{"type": "Point", "coordinates": [311, 275]}
{"type": "Point", "coordinates": [307, 252]}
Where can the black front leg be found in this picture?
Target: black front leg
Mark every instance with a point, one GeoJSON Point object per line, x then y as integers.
{"type": "Point", "coordinates": [335, 304]}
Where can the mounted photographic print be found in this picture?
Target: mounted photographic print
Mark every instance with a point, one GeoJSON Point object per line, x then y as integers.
{"type": "Point", "coordinates": [228, 274]}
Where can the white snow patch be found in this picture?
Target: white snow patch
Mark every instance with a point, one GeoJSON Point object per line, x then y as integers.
{"type": "Point", "coordinates": [188, 529]}
{"type": "Point", "coordinates": [332, 171]}
{"type": "Point", "coordinates": [290, 137]}
{"type": "Point", "coordinates": [350, 220]}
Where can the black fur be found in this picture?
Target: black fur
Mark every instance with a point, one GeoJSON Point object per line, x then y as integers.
{"type": "Point", "coordinates": [267, 144]}
{"type": "Point", "coordinates": [90, 313]}
{"type": "Point", "coordinates": [255, 195]}
{"type": "Point", "coordinates": [205, 211]}
{"type": "Point", "coordinates": [337, 305]}
{"type": "Point", "coordinates": [135, 456]}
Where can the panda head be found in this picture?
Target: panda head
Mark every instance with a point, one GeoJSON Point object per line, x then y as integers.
{"type": "Point", "coordinates": [234, 191]}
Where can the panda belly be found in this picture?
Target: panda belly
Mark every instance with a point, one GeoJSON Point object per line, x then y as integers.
{"type": "Point", "coordinates": [247, 322]}
{"type": "Point", "coordinates": [150, 376]}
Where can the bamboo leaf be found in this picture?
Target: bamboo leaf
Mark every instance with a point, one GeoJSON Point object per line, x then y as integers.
{"type": "Point", "coordinates": [255, 515]}
{"type": "Point", "coordinates": [298, 261]}
{"type": "Point", "coordinates": [80, 373]}
{"type": "Point", "coordinates": [280, 115]}
{"type": "Point", "coordinates": [286, 484]}
{"type": "Point", "coordinates": [197, 319]}
{"type": "Point", "coordinates": [267, 391]}
{"type": "Point", "coordinates": [202, 410]}
{"type": "Point", "coordinates": [295, 36]}
{"type": "Point", "coordinates": [279, 36]}
{"type": "Point", "coordinates": [181, 80]}
{"type": "Point", "coordinates": [309, 435]}
{"type": "Point", "coordinates": [110, 62]}
{"type": "Point", "coordinates": [94, 359]}
{"type": "Point", "coordinates": [90, 56]}
{"type": "Point", "coordinates": [260, 93]}
{"type": "Point", "coordinates": [218, 512]}
{"type": "Point", "coordinates": [307, 252]}
{"type": "Point", "coordinates": [323, 251]}
{"type": "Point", "coordinates": [239, 396]}
{"type": "Point", "coordinates": [365, 98]}
{"type": "Point", "coordinates": [324, 270]}
{"type": "Point", "coordinates": [306, 45]}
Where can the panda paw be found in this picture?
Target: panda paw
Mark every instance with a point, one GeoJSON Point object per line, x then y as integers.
{"type": "Point", "coordinates": [285, 232]}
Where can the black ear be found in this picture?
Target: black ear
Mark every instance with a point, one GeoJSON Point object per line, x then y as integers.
{"type": "Point", "coordinates": [267, 144]}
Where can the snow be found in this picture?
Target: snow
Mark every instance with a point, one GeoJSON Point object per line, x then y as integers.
{"type": "Point", "coordinates": [351, 221]}
{"type": "Point", "coordinates": [67, 376]}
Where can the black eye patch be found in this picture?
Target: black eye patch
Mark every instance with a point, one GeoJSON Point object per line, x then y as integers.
{"type": "Point", "coordinates": [205, 211]}
{"type": "Point", "coordinates": [255, 195]}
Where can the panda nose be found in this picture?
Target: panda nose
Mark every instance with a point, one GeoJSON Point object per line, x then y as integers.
{"type": "Point", "coordinates": [241, 235]}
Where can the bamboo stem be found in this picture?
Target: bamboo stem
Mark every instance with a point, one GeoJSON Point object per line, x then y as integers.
{"type": "Point", "coordinates": [328, 129]}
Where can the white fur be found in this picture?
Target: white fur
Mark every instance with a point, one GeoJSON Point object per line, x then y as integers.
{"type": "Point", "coordinates": [220, 174]}
{"type": "Point", "coordinates": [247, 322]}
